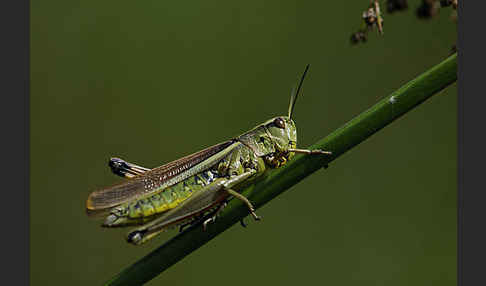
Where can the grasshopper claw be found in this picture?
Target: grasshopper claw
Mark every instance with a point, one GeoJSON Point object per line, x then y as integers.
{"type": "Point", "coordinates": [209, 220]}
{"type": "Point", "coordinates": [243, 224]}
{"type": "Point", "coordinates": [135, 237]}
{"type": "Point", "coordinates": [255, 216]}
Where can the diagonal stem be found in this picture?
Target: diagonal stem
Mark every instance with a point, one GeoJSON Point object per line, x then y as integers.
{"type": "Point", "coordinates": [277, 181]}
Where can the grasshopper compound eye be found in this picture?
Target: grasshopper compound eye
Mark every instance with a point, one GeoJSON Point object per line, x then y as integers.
{"type": "Point", "coordinates": [279, 122]}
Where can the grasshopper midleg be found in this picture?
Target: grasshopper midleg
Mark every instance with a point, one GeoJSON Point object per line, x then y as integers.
{"type": "Point", "coordinates": [212, 216]}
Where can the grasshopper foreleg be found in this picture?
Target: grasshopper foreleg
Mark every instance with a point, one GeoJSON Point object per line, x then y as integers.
{"type": "Point", "coordinates": [235, 180]}
{"type": "Point", "coordinates": [245, 200]}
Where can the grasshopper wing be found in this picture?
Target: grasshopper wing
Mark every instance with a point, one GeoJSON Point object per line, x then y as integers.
{"type": "Point", "coordinates": [157, 178]}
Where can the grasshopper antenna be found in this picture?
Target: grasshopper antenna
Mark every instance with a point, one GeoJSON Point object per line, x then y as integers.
{"type": "Point", "coordinates": [295, 94]}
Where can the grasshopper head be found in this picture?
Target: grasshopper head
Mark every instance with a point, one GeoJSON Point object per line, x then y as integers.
{"type": "Point", "coordinates": [282, 134]}
{"type": "Point", "coordinates": [282, 131]}
{"type": "Point", "coordinates": [274, 138]}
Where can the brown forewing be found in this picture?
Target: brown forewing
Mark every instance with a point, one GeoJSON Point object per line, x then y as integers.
{"type": "Point", "coordinates": [149, 181]}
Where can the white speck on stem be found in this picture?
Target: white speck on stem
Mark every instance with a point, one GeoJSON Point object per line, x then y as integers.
{"type": "Point", "coordinates": [393, 99]}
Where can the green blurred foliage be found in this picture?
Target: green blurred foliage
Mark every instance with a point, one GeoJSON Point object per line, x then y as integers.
{"type": "Point", "coordinates": [152, 81]}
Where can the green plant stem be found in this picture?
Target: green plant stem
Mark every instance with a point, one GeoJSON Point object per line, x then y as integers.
{"type": "Point", "coordinates": [277, 181]}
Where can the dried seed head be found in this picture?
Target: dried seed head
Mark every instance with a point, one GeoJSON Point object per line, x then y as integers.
{"type": "Point", "coordinates": [396, 5]}
{"type": "Point", "coordinates": [446, 3]}
{"type": "Point", "coordinates": [370, 18]}
{"type": "Point", "coordinates": [357, 37]}
{"type": "Point", "coordinates": [428, 9]}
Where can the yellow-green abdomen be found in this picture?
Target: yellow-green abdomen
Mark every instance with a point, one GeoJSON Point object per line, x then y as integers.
{"type": "Point", "coordinates": [170, 197]}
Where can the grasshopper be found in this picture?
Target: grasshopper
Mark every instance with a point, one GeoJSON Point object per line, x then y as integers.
{"type": "Point", "coordinates": [195, 188]}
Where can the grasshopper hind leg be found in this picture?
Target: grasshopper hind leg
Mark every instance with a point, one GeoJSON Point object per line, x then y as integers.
{"type": "Point", "coordinates": [136, 236]}
{"type": "Point", "coordinates": [199, 202]}
{"type": "Point", "coordinates": [141, 235]}
{"type": "Point", "coordinates": [204, 219]}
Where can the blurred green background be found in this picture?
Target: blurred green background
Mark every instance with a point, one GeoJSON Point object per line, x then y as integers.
{"type": "Point", "coordinates": [151, 81]}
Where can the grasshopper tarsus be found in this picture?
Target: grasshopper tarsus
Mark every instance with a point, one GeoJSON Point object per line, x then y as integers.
{"type": "Point", "coordinates": [207, 221]}
{"type": "Point", "coordinates": [256, 217]}
{"type": "Point", "coordinates": [321, 152]}
{"type": "Point", "coordinates": [135, 237]}
{"type": "Point", "coordinates": [213, 216]}
{"type": "Point", "coordinates": [242, 222]}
